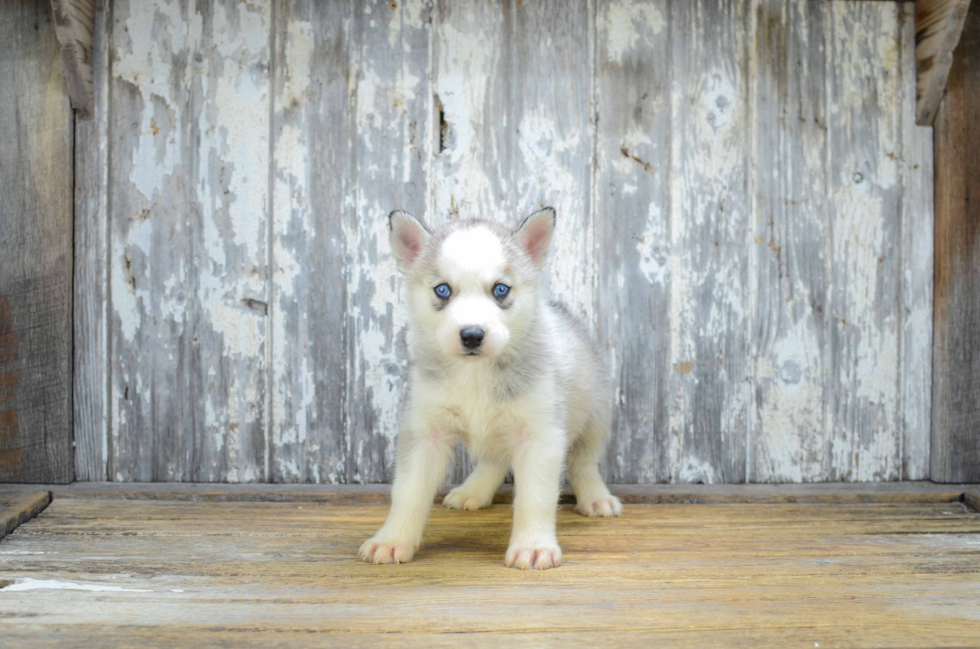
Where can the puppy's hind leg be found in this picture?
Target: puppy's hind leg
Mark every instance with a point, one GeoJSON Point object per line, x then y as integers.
{"type": "Point", "coordinates": [478, 490]}
{"type": "Point", "coordinates": [592, 495]}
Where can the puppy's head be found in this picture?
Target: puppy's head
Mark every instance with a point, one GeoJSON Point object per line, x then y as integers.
{"type": "Point", "coordinates": [474, 285]}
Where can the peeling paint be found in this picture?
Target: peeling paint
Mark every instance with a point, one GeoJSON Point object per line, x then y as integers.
{"type": "Point", "coordinates": [733, 206]}
{"type": "Point", "coordinates": [654, 248]}
{"type": "Point", "coordinates": [627, 23]}
{"type": "Point", "coordinates": [53, 584]}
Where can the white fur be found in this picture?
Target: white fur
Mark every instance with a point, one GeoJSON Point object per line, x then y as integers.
{"type": "Point", "coordinates": [529, 418]}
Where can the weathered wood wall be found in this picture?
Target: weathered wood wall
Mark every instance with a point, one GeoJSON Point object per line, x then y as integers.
{"type": "Point", "coordinates": [745, 220]}
{"type": "Point", "coordinates": [35, 248]}
{"type": "Point", "coordinates": [956, 367]}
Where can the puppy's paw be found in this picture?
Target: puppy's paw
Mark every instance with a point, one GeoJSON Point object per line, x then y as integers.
{"type": "Point", "coordinates": [383, 550]}
{"type": "Point", "coordinates": [533, 556]}
{"type": "Point", "coordinates": [462, 498]}
{"type": "Point", "coordinates": [601, 506]}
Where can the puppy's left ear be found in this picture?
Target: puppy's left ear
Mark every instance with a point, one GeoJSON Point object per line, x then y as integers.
{"type": "Point", "coordinates": [408, 236]}
{"type": "Point", "coordinates": [534, 235]}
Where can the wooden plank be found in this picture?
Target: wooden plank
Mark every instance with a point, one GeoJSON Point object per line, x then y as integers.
{"type": "Point", "coordinates": [865, 575]}
{"type": "Point", "coordinates": [20, 507]}
{"type": "Point", "coordinates": [302, 366]}
{"type": "Point", "coordinates": [791, 241]}
{"type": "Point", "coordinates": [391, 140]}
{"type": "Point", "coordinates": [188, 266]}
{"type": "Point", "coordinates": [710, 231]}
{"type": "Point", "coordinates": [864, 185]}
{"type": "Point", "coordinates": [972, 500]}
{"type": "Point", "coordinates": [915, 390]}
{"type": "Point", "coordinates": [35, 249]}
{"type": "Point", "coordinates": [91, 362]}
{"type": "Point", "coordinates": [790, 431]}
{"type": "Point", "coordinates": [74, 22]}
{"type": "Point", "coordinates": [350, 494]}
{"type": "Point", "coordinates": [938, 25]}
{"type": "Point", "coordinates": [956, 354]}
{"type": "Point", "coordinates": [135, 380]}
{"type": "Point", "coordinates": [633, 231]}
{"type": "Point", "coordinates": [312, 186]}
{"type": "Point", "coordinates": [517, 132]}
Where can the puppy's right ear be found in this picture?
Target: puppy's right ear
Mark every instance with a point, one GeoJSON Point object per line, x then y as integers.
{"type": "Point", "coordinates": [408, 237]}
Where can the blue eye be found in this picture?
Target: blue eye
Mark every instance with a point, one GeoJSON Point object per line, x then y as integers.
{"type": "Point", "coordinates": [443, 291]}
{"type": "Point", "coordinates": [501, 290]}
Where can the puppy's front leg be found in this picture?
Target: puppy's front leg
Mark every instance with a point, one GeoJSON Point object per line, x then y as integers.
{"type": "Point", "coordinates": [537, 482]}
{"type": "Point", "coordinates": [421, 466]}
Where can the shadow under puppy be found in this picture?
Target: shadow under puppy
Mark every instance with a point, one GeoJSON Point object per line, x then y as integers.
{"type": "Point", "coordinates": [517, 378]}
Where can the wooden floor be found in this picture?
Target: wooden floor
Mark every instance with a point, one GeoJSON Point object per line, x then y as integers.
{"type": "Point", "coordinates": [111, 571]}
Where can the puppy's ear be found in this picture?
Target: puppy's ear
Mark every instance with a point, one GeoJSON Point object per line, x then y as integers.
{"type": "Point", "coordinates": [534, 235]}
{"type": "Point", "coordinates": [408, 236]}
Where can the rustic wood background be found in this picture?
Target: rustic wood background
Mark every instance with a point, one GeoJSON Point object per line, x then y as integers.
{"type": "Point", "coordinates": [956, 345]}
{"type": "Point", "coordinates": [745, 219]}
{"type": "Point", "coordinates": [36, 128]}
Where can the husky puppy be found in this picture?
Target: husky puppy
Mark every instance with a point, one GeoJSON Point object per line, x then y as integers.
{"type": "Point", "coordinates": [518, 379]}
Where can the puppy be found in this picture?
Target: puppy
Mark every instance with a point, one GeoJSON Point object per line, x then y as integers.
{"type": "Point", "coordinates": [494, 364]}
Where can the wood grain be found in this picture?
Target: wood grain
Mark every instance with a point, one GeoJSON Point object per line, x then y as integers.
{"type": "Point", "coordinates": [35, 249]}
{"type": "Point", "coordinates": [189, 181]}
{"type": "Point", "coordinates": [91, 366]}
{"type": "Point", "coordinates": [743, 218]}
{"type": "Point", "coordinates": [74, 22]}
{"type": "Point", "coordinates": [633, 247]}
{"type": "Point", "coordinates": [791, 241]}
{"type": "Point", "coordinates": [956, 354]}
{"type": "Point", "coordinates": [916, 272]}
{"type": "Point", "coordinates": [19, 507]}
{"type": "Point", "coordinates": [312, 180]}
{"type": "Point", "coordinates": [864, 185]}
{"type": "Point", "coordinates": [864, 575]}
{"type": "Point", "coordinates": [710, 231]}
{"type": "Point", "coordinates": [938, 26]}
{"type": "Point", "coordinates": [825, 492]}
{"type": "Point", "coordinates": [391, 144]}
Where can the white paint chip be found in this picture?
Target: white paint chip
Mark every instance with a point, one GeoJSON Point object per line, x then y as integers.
{"type": "Point", "coordinates": [52, 584]}
{"type": "Point", "coordinates": [627, 23]}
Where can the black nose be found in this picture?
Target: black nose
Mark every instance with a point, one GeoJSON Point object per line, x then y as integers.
{"type": "Point", "coordinates": [472, 337]}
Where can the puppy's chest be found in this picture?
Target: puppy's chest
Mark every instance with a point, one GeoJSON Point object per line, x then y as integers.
{"type": "Point", "coordinates": [480, 419]}
{"type": "Point", "coordinates": [477, 417]}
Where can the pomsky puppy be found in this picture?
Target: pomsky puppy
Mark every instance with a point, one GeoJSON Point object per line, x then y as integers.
{"type": "Point", "coordinates": [494, 364]}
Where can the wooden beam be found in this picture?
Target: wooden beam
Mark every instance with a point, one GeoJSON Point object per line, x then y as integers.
{"type": "Point", "coordinates": [91, 287]}
{"type": "Point", "coordinates": [938, 24]}
{"type": "Point", "coordinates": [972, 500]}
{"type": "Point", "coordinates": [956, 310]}
{"type": "Point", "coordinates": [18, 508]}
{"type": "Point", "coordinates": [75, 25]}
{"type": "Point", "coordinates": [340, 494]}
{"type": "Point", "coordinates": [36, 130]}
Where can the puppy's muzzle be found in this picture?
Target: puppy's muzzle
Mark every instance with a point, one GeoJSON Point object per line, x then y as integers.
{"type": "Point", "coordinates": [471, 337]}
